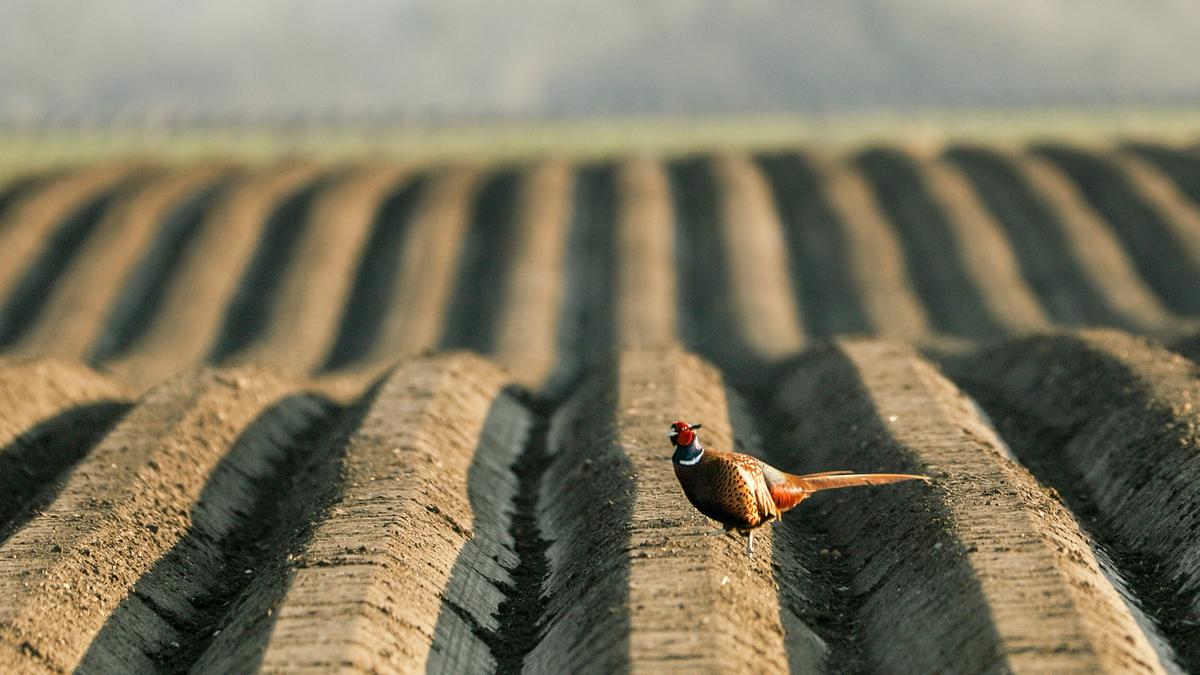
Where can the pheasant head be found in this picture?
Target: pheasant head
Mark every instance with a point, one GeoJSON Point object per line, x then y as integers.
{"type": "Point", "coordinates": [682, 433]}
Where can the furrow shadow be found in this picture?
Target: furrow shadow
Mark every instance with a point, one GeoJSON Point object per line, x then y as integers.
{"type": "Point", "coordinates": [21, 309]}
{"type": "Point", "coordinates": [249, 310]}
{"type": "Point", "coordinates": [33, 465]}
{"type": "Point", "coordinates": [1182, 167]}
{"type": "Point", "coordinates": [1153, 249]}
{"type": "Point", "coordinates": [817, 612]}
{"type": "Point", "coordinates": [520, 615]}
{"type": "Point", "coordinates": [1109, 421]}
{"type": "Point", "coordinates": [483, 265]}
{"type": "Point", "coordinates": [144, 292]}
{"type": "Point", "coordinates": [586, 333]}
{"type": "Point", "coordinates": [1037, 238]}
{"type": "Point", "coordinates": [707, 316]}
{"type": "Point", "coordinates": [585, 563]}
{"type": "Point", "coordinates": [838, 552]}
{"type": "Point", "coordinates": [254, 504]}
{"type": "Point", "coordinates": [362, 319]}
{"type": "Point", "coordinates": [933, 258]}
{"type": "Point", "coordinates": [817, 246]}
{"type": "Point", "coordinates": [17, 188]}
{"type": "Point", "coordinates": [1017, 585]}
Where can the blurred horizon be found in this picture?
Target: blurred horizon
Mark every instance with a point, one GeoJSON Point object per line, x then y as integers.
{"type": "Point", "coordinates": [136, 62]}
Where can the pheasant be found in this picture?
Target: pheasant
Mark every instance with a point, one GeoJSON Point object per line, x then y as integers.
{"type": "Point", "coordinates": [743, 493]}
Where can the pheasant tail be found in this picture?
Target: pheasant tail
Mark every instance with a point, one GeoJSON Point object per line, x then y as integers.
{"type": "Point", "coordinates": [797, 488]}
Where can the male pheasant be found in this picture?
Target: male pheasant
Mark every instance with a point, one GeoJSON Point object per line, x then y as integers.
{"type": "Point", "coordinates": [743, 493]}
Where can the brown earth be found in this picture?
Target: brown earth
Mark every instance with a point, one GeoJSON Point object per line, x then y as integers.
{"type": "Point", "coordinates": [243, 429]}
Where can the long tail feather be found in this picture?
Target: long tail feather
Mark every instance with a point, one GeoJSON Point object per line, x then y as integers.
{"type": "Point", "coordinates": [830, 481]}
{"type": "Point", "coordinates": [797, 488]}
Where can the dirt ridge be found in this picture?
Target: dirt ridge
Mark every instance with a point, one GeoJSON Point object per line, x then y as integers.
{"type": "Point", "coordinates": [30, 220]}
{"type": "Point", "coordinates": [817, 247]}
{"type": "Point", "coordinates": [142, 291]}
{"type": "Point", "coordinates": [249, 308]}
{"type": "Point", "coordinates": [1017, 586]}
{"type": "Point", "coordinates": [127, 503]}
{"type": "Point", "coordinates": [638, 579]}
{"type": "Point", "coordinates": [75, 310]}
{"type": "Point", "coordinates": [54, 412]}
{"type": "Point", "coordinates": [420, 522]}
{"type": "Point", "coordinates": [1143, 231]}
{"type": "Point", "coordinates": [195, 296]}
{"type": "Point", "coordinates": [876, 258]}
{"type": "Point", "coordinates": [31, 290]}
{"type": "Point", "coordinates": [1062, 283]}
{"type": "Point", "coordinates": [405, 509]}
{"type": "Point", "coordinates": [1111, 421]}
{"type": "Point", "coordinates": [988, 258]}
{"type": "Point", "coordinates": [532, 300]}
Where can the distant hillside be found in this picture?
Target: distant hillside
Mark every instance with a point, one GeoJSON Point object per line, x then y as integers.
{"type": "Point", "coordinates": [227, 60]}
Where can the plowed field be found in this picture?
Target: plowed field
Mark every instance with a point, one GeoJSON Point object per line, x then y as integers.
{"type": "Point", "coordinates": [388, 417]}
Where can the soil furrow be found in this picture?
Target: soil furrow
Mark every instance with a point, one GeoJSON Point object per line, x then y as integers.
{"type": "Point", "coordinates": [983, 570]}
{"type": "Point", "coordinates": [375, 278]}
{"type": "Point", "coordinates": [250, 309]}
{"type": "Point", "coordinates": [484, 264]}
{"type": "Point", "coordinates": [1113, 423]}
{"type": "Point", "coordinates": [17, 188]}
{"type": "Point", "coordinates": [142, 293]}
{"type": "Point", "coordinates": [1092, 243]}
{"type": "Point", "coordinates": [300, 323]}
{"type": "Point", "coordinates": [231, 627]}
{"type": "Point", "coordinates": [647, 258]}
{"type": "Point", "coordinates": [639, 580]}
{"type": "Point", "coordinates": [417, 536]}
{"type": "Point", "coordinates": [526, 336]}
{"type": "Point", "coordinates": [1179, 216]}
{"type": "Point", "coordinates": [28, 223]}
{"type": "Point", "coordinates": [53, 414]}
{"type": "Point", "coordinates": [704, 310]}
{"type": "Point", "coordinates": [72, 319]}
{"type": "Point", "coordinates": [1141, 229]}
{"type": "Point", "coordinates": [454, 517]}
{"type": "Point", "coordinates": [131, 532]}
{"type": "Point", "coordinates": [423, 283]}
{"type": "Point", "coordinates": [934, 258]}
{"type": "Point", "coordinates": [241, 524]}
{"type": "Point", "coordinates": [1042, 246]}
{"type": "Point", "coordinates": [988, 258]}
{"type": "Point", "coordinates": [817, 245]}
{"type": "Point", "coordinates": [586, 325]}
{"type": "Point", "coordinates": [521, 613]}
{"type": "Point", "coordinates": [766, 309]}
{"type": "Point", "coordinates": [204, 281]}
{"type": "Point", "coordinates": [876, 257]}
{"type": "Point", "coordinates": [30, 293]}
{"type": "Point", "coordinates": [1181, 166]}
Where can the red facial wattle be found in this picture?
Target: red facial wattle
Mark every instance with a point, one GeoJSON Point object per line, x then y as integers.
{"type": "Point", "coordinates": [682, 434]}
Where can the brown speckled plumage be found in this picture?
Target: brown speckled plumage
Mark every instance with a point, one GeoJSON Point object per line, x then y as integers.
{"type": "Point", "coordinates": [729, 488]}
{"type": "Point", "coordinates": [744, 493]}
